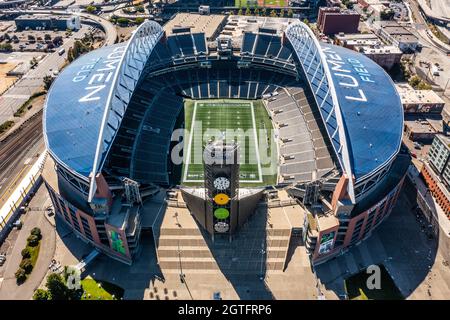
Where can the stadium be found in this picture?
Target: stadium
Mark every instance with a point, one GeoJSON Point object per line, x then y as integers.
{"type": "Point", "coordinates": [321, 127]}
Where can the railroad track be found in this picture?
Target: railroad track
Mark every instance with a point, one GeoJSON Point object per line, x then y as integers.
{"type": "Point", "coordinates": [20, 141]}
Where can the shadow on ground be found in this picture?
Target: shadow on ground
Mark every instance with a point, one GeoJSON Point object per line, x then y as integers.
{"type": "Point", "coordinates": [133, 279]}
{"type": "Point", "coordinates": [402, 243]}
{"type": "Point", "coordinates": [243, 260]}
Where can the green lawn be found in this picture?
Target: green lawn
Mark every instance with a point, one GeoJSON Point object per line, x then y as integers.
{"type": "Point", "coordinates": [231, 119]}
{"type": "Point", "coordinates": [104, 292]}
{"type": "Point", "coordinates": [275, 3]}
{"type": "Point", "coordinates": [34, 253]}
{"type": "Point", "coordinates": [357, 289]}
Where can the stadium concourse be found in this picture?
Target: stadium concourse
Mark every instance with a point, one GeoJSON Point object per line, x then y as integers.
{"type": "Point", "coordinates": [336, 165]}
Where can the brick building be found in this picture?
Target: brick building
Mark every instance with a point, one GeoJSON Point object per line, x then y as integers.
{"type": "Point", "coordinates": [436, 172]}
{"type": "Point", "coordinates": [332, 20]}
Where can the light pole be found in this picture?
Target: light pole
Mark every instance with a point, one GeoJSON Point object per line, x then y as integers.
{"type": "Point", "coordinates": [261, 277]}
{"type": "Point", "coordinates": [182, 275]}
{"type": "Point", "coordinates": [182, 278]}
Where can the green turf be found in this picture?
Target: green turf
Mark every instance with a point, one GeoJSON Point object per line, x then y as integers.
{"type": "Point", "coordinates": [256, 168]}
{"type": "Point", "coordinates": [246, 3]}
{"type": "Point", "coordinates": [356, 286]}
{"type": "Point", "coordinates": [275, 3]}
{"type": "Point", "coordinates": [106, 290]}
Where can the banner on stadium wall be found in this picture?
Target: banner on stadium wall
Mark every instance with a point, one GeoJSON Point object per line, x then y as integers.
{"type": "Point", "coordinates": [326, 242]}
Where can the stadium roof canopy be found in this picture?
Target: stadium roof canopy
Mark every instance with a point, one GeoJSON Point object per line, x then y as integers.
{"type": "Point", "coordinates": [371, 109]}
{"type": "Point", "coordinates": [358, 102]}
{"type": "Point", "coordinates": [75, 107]}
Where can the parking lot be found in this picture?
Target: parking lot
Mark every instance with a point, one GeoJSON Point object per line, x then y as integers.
{"type": "Point", "coordinates": [36, 40]}
{"type": "Point", "coordinates": [400, 11]}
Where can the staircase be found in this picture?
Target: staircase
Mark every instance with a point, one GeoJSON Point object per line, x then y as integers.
{"type": "Point", "coordinates": [259, 246]}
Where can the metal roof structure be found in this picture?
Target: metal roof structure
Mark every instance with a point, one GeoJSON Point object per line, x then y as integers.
{"type": "Point", "coordinates": [95, 91]}
{"type": "Point", "coordinates": [358, 102]}
{"type": "Point", "coordinates": [364, 123]}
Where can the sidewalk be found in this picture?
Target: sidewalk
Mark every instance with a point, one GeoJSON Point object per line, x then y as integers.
{"type": "Point", "coordinates": [8, 287]}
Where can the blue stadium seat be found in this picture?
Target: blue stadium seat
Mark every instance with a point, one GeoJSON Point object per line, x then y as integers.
{"type": "Point", "coordinates": [248, 42]}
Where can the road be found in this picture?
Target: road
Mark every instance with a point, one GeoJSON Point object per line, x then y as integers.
{"type": "Point", "coordinates": [422, 30]}
{"type": "Point", "coordinates": [439, 9]}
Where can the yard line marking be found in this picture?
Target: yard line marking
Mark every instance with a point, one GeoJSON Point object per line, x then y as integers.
{"type": "Point", "coordinates": [256, 144]}
{"type": "Point", "coordinates": [188, 158]}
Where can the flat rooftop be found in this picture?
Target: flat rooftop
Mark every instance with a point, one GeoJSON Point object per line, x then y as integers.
{"type": "Point", "coordinates": [237, 25]}
{"type": "Point", "coordinates": [397, 31]}
{"type": "Point", "coordinates": [423, 125]}
{"type": "Point", "coordinates": [42, 17]}
{"type": "Point", "coordinates": [356, 36]}
{"type": "Point", "coordinates": [409, 95]}
{"type": "Point", "coordinates": [208, 24]}
{"type": "Point", "coordinates": [377, 49]}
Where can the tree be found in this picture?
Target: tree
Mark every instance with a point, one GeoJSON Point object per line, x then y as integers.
{"type": "Point", "coordinates": [282, 13]}
{"type": "Point", "coordinates": [57, 287]}
{"type": "Point", "coordinates": [139, 8]}
{"type": "Point", "coordinates": [414, 81]}
{"type": "Point", "coordinates": [90, 9]}
{"type": "Point", "coordinates": [424, 86]}
{"type": "Point", "coordinates": [305, 21]}
{"type": "Point", "coordinates": [273, 13]}
{"type": "Point", "coordinates": [78, 49]}
{"type": "Point", "coordinates": [41, 294]}
{"type": "Point", "coordinates": [387, 14]}
{"type": "Point", "coordinates": [26, 253]}
{"type": "Point", "coordinates": [257, 12]}
{"type": "Point", "coordinates": [26, 265]}
{"type": "Point", "coordinates": [47, 37]}
{"type": "Point", "coordinates": [48, 80]}
{"type": "Point", "coordinates": [240, 12]}
{"type": "Point", "coordinates": [20, 275]}
{"type": "Point", "coordinates": [347, 3]}
{"type": "Point", "coordinates": [264, 12]}
{"type": "Point", "coordinates": [36, 231]}
{"type": "Point", "coordinates": [33, 62]}
{"type": "Point", "coordinates": [123, 21]}
{"type": "Point", "coordinates": [57, 41]}
{"type": "Point", "coordinates": [33, 240]}
{"type": "Point", "coordinates": [290, 13]}
{"type": "Point", "coordinates": [248, 12]}
{"type": "Point", "coordinates": [5, 47]}
{"type": "Point", "coordinates": [139, 20]}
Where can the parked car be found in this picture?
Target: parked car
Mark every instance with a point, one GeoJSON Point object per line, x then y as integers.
{"type": "Point", "coordinates": [18, 224]}
{"type": "Point", "coordinates": [2, 259]}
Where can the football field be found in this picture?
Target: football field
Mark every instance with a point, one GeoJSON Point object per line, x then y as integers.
{"type": "Point", "coordinates": [245, 122]}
